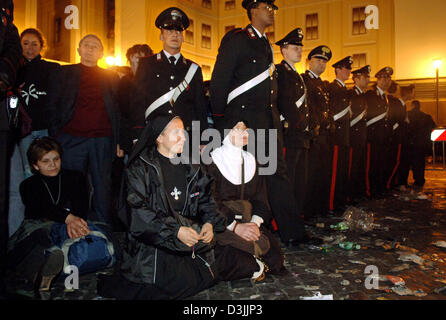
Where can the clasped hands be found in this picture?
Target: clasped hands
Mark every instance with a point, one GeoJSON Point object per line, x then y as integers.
{"type": "Point", "coordinates": [190, 237]}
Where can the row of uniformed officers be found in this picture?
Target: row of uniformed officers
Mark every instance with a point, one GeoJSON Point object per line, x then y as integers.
{"type": "Point", "coordinates": [340, 145]}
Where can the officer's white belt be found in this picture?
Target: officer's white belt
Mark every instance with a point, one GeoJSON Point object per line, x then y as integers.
{"type": "Point", "coordinates": [300, 101]}
{"type": "Point", "coordinates": [376, 119]}
{"type": "Point", "coordinates": [357, 119]}
{"type": "Point", "coordinates": [251, 83]}
{"type": "Point", "coordinates": [173, 94]}
{"type": "Point", "coordinates": [342, 113]}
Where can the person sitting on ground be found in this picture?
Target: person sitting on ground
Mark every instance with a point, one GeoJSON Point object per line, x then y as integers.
{"type": "Point", "coordinates": [242, 199]}
{"type": "Point", "coordinates": [51, 195]}
{"type": "Point", "coordinates": [173, 220]}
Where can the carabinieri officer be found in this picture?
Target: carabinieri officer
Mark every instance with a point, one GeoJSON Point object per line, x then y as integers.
{"type": "Point", "coordinates": [168, 78]}
{"type": "Point", "coordinates": [292, 105]}
{"type": "Point", "coordinates": [340, 106]}
{"type": "Point", "coordinates": [244, 88]}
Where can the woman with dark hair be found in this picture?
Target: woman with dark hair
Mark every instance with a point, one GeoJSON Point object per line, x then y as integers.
{"type": "Point", "coordinates": [51, 195]}
{"type": "Point", "coordinates": [34, 81]}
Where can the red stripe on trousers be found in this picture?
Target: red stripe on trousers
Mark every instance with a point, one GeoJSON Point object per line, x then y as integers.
{"type": "Point", "coordinates": [367, 171]}
{"type": "Point", "coordinates": [333, 177]}
{"type": "Point", "coordinates": [398, 161]}
{"type": "Point", "coordinates": [275, 228]}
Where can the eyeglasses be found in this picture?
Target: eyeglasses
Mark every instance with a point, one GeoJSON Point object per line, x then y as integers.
{"type": "Point", "coordinates": [267, 7]}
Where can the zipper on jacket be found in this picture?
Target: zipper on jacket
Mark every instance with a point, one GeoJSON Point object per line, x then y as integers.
{"type": "Point", "coordinates": [187, 191]}
{"type": "Point", "coordinates": [207, 265]}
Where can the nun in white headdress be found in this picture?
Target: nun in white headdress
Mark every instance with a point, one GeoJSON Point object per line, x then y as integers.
{"type": "Point", "coordinates": [241, 196]}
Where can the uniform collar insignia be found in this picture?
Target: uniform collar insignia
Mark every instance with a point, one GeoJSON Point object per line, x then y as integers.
{"type": "Point", "coordinates": [158, 57]}
{"type": "Point", "coordinates": [251, 33]}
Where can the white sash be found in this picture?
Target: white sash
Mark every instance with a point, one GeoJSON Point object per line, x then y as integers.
{"type": "Point", "coordinates": [376, 119]}
{"type": "Point", "coordinates": [251, 83]}
{"type": "Point", "coordinates": [342, 113]}
{"type": "Point", "coordinates": [357, 119]}
{"type": "Point", "coordinates": [300, 101]}
{"type": "Point", "coordinates": [173, 94]}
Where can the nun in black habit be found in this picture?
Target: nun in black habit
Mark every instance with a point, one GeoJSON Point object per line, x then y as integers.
{"type": "Point", "coordinates": [171, 251]}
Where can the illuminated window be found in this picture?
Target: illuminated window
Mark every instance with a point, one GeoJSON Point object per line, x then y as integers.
{"type": "Point", "coordinates": [206, 36]}
{"type": "Point", "coordinates": [189, 36]}
{"type": "Point", "coordinates": [312, 27]}
{"type": "Point", "coordinates": [229, 28]}
{"type": "Point", "coordinates": [229, 4]}
{"type": "Point", "coordinates": [359, 61]}
{"type": "Point", "coordinates": [206, 4]}
{"type": "Point", "coordinates": [206, 71]}
{"type": "Point", "coordinates": [359, 21]}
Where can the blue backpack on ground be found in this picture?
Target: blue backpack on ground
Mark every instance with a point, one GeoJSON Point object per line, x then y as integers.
{"type": "Point", "coordinates": [89, 254]}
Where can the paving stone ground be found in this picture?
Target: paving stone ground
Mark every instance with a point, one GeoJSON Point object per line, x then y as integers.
{"type": "Point", "coordinates": [413, 224]}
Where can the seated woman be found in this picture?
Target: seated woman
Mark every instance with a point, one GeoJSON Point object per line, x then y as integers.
{"type": "Point", "coordinates": [241, 196]}
{"type": "Point", "coordinates": [171, 252]}
{"type": "Point", "coordinates": [52, 195]}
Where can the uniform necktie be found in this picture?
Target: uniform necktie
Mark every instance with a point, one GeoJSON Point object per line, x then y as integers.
{"type": "Point", "coordinates": [172, 60]}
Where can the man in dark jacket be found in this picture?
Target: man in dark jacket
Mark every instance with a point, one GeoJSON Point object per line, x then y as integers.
{"type": "Point", "coordinates": [358, 134]}
{"type": "Point", "coordinates": [321, 122]}
{"type": "Point", "coordinates": [85, 120]}
{"type": "Point", "coordinates": [244, 88]}
{"type": "Point", "coordinates": [173, 218]}
{"type": "Point", "coordinates": [292, 105]}
{"type": "Point", "coordinates": [340, 106]}
{"type": "Point", "coordinates": [419, 146]}
{"type": "Point", "coordinates": [10, 55]}
{"type": "Point", "coordinates": [168, 78]}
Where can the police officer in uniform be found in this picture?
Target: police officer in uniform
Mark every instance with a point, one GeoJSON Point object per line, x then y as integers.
{"type": "Point", "coordinates": [169, 78]}
{"type": "Point", "coordinates": [321, 122]}
{"type": "Point", "coordinates": [399, 123]}
{"type": "Point", "coordinates": [244, 88]}
{"type": "Point", "coordinates": [340, 107]}
{"type": "Point", "coordinates": [378, 134]}
{"type": "Point", "coordinates": [292, 105]}
{"type": "Point", "coordinates": [358, 134]}
{"type": "Point", "coordinates": [10, 54]}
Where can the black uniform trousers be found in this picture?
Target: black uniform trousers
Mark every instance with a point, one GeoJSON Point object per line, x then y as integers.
{"type": "Point", "coordinates": [281, 198]}
{"type": "Point", "coordinates": [413, 158]}
{"type": "Point", "coordinates": [339, 176]}
{"type": "Point", "coordinates": [376, 168]}
{"type": "Point", "coordinates": [393, 164]}
{"type": "Point", "coordinates": [297, 163]}
{"type": "Point", "coordinates": [318, 191]}
{"type": "Point", "coordinates": [357, 178]}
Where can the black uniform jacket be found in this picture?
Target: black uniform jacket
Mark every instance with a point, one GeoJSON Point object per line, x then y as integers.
{"type": "Point", "coordinates": [291, 106]}
{"type": "Point", "coordinates": [339, 102]}
{"type": "Point", "coordinates": [243, 56]}
{"type": "Point", "coordinates": [379, 132]}
{"type": "Point", "coordinates": [155, 77]}
{"type": "Point", "coordinates": [321, 119]}
{"type": "Point", "coordinates": [397, 120]}
{"type": "Point", "coordinates": [358, 132]}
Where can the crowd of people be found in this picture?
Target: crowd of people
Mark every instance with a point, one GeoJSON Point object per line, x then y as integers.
{"type": "Point", "coordinates": [190, 225]}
